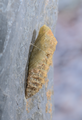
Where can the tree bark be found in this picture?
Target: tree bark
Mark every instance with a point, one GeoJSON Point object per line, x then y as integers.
{"type": "Point", "coordinates": [20, 21]}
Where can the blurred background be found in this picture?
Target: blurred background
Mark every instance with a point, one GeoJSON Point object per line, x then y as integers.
{"type": "Point", "coordinates": [68, 61]}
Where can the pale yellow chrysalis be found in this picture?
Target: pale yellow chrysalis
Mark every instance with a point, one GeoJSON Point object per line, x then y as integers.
{"type": "Point", "coordinates": [40, 60]}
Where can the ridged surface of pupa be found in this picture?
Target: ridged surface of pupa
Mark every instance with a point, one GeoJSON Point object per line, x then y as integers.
{"type": "Point", "coordinates": [40, 60]}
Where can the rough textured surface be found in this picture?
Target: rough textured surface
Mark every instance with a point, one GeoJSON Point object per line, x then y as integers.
{"type": "Point", "coordinates": [20, 20]}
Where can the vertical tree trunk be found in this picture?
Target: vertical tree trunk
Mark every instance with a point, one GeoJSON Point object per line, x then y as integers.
{"type": "Point", "coordinates": [20, 21]}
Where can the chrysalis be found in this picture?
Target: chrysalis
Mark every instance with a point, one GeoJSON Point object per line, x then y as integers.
{"type": "Point", "coordinates": [40, 60]}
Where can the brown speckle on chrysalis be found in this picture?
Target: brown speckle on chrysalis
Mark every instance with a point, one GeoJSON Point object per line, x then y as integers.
{"type": "Point", "coordinates": [40, 60]}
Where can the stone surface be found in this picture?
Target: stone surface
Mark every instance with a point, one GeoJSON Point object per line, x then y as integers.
{"type": "Point", "coordinates": [19, 19]}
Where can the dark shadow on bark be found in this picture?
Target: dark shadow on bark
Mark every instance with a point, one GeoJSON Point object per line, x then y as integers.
{"type": "Point", "coordinates": [3, 31]}
{"type": "Point", "coordinates": [30, 50]}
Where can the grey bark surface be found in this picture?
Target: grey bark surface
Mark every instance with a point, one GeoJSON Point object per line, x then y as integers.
{"type": "Point", "coordinates": [20, 21]}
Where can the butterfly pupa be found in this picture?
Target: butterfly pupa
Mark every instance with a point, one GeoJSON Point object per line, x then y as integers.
{"type": "Point", "coordinates": [40, 60]}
